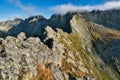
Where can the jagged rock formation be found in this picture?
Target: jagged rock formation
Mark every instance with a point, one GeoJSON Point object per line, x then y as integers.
{"type": "Point", "coordinates": [65, 47]}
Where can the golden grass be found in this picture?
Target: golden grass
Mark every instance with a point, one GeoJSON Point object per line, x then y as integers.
{"type": "Point", "coordinates": [105, 35]}
{"type": "Point", "coordinates": [43, 73]}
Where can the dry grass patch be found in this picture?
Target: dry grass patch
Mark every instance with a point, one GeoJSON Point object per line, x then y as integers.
{"type": "Point", "coordinates": [67, 67]}
{"type": "Point", "coordinates": [43, 73]}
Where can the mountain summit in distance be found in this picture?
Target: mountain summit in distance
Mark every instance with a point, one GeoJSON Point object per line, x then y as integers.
{"type": "Point", "coordinates": [74, 46]}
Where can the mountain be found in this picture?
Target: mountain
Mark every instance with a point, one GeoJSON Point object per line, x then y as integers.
{"type": "Point", "coordinates": [108, 18]}
{"type": "Point", "coordinates": [74, 46]}
{"type": "Point", "coordinates": [5, 26]}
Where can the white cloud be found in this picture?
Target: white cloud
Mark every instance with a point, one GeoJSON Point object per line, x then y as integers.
{"type": "Point", "coordinates": [13, 16]}
{"type": "Point", "coordinates": [64, 8]}
{"type": "Point", "coordinates": [25, 8]}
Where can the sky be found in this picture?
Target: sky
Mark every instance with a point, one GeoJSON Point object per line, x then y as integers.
{"type": "Point", "coordinates": [10, 9]}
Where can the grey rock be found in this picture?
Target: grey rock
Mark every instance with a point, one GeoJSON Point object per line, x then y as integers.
{"type": "Point", "coordinates": [21, 36]}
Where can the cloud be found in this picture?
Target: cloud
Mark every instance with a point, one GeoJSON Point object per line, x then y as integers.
{"type": "Point", "coordinates": [64, 8]}
{"type": "Point", "coordinates": [13, 16]}
{"type": "Point", "coordinates": [25, 8]}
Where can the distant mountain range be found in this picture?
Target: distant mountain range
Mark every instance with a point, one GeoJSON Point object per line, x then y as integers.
{"type": "Point", "coordinates": [74, 46]}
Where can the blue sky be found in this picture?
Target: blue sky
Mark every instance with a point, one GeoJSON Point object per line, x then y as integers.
{"type": "Point", "coordinates": [10, 9]}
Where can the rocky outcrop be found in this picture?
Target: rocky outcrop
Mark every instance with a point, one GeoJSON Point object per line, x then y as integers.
{"type": "Point", "coordinates": [20, 57]}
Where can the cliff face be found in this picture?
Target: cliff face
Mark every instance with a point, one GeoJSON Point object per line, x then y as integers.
{"type": "Point", "coordinates": [45, 49]}
{"type": "Point", "coordinates": [108, 18]}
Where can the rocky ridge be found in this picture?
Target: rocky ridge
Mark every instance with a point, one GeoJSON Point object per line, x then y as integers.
{"type": "Point", "coordinates": [78, 52]}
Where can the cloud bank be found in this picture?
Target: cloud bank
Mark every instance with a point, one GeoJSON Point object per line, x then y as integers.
{"type": "Point", "coordinates": [64, 8]}
{"type": "Point", "coordinates": [25, 8]}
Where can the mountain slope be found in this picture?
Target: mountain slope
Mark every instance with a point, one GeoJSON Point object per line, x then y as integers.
{"type": "Point", "coordinates": [100, 40]}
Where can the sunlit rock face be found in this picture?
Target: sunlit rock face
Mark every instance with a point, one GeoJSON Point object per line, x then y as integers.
{"type": "Point", "coordinates": [65, 47]}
